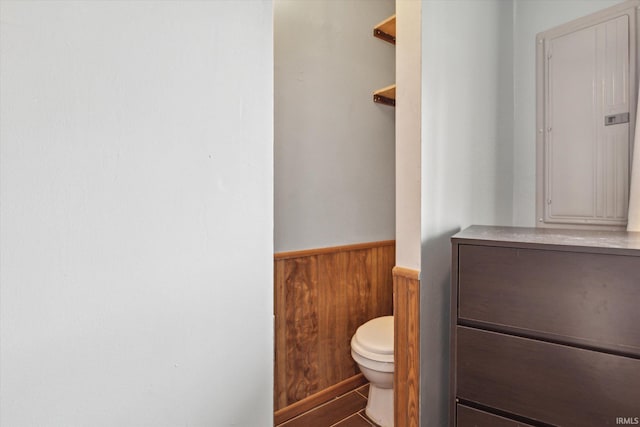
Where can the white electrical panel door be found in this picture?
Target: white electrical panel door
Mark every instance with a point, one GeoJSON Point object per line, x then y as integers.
{"type": "Point", "coordinates": [586, 125]}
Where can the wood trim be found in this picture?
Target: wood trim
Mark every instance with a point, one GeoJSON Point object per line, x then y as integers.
{"type": "Point", "coordinates": [317, 399]}
{"type": "Point", "coordinates": [406, 375]}
{"type": "Point", "coordinates": [280, 360]}
{"type": "Point", "coordinates": [333, 249]}
{"type": "Point", "coordinates": [407, 273]}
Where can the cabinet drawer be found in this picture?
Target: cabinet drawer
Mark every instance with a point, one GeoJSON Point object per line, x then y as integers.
{"type": "Point", "coordinates": [582, 298]}
{"type": "Point", "coordinates": [546, 382]}
{"type": "Point", "coordinates": [470, 417]}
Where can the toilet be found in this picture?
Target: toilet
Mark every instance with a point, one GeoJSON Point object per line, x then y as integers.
{"type": "Point", "coordinates": [372, 349]}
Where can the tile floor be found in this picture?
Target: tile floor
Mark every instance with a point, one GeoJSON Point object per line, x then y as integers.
{"type": "Point", "coordinates": [343, 411]}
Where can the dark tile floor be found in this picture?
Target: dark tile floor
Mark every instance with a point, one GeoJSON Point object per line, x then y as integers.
{"type": "Point", "coordinates": [343, 411]}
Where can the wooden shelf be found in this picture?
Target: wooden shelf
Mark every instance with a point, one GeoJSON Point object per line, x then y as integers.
{"type": "Point", "coordinates": [386, 30]}
{"type": "Point", "coordinates": [386, 95]}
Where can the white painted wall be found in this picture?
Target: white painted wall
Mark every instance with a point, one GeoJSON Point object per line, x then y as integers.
{"type": "Point", "coordinates": [408, 133]}
{"type": "Point", "coordinates": [467, 171]}
{"type": "Point", "coordinates": [530, 18]}
{"type": "Point", "coordinates": [136, 214]}
{"type": "Point", "coordinates": [334, 148]}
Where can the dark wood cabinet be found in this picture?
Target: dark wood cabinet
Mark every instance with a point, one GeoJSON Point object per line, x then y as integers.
{"type": "Point", "coordinates": [545, 327]}
{"type": "Point", "coordinates": [471, 417]}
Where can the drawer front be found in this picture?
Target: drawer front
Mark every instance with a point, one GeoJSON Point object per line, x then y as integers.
{"type": "Point", "coordinates": [546, 382]}
{"type": "Point", "coordinates": [471, 417]}
{"type": "Point", "coordinates": [588, 299]}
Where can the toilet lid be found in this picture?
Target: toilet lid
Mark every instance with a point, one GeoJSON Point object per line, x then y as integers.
{"type": "Point", "coordinates": [375, 337]}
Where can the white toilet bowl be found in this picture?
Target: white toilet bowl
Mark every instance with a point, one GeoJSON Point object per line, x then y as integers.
{"type": "Point", "coordinates": [372, 349]}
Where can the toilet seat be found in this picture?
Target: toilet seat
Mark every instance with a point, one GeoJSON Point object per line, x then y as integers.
{"type": "Point", "coordinates": [374, 340]}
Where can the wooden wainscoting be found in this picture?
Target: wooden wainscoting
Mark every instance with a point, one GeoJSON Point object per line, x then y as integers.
{"type": "Point", "coordinates": [406, 375]}
{"type": "Point", "coordinates": [321, 297]}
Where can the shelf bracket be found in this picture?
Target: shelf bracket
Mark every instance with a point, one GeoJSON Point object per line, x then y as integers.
{"type": "Point", "coordinates": [384, 36]}
{"type": "Point", "coordinates": [384, 100]}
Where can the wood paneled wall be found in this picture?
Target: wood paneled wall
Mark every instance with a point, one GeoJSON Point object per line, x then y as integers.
{"type": "Point", "coordinates": [321, 297]}
{"type": "Point", "coordinates": [406, 375]}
